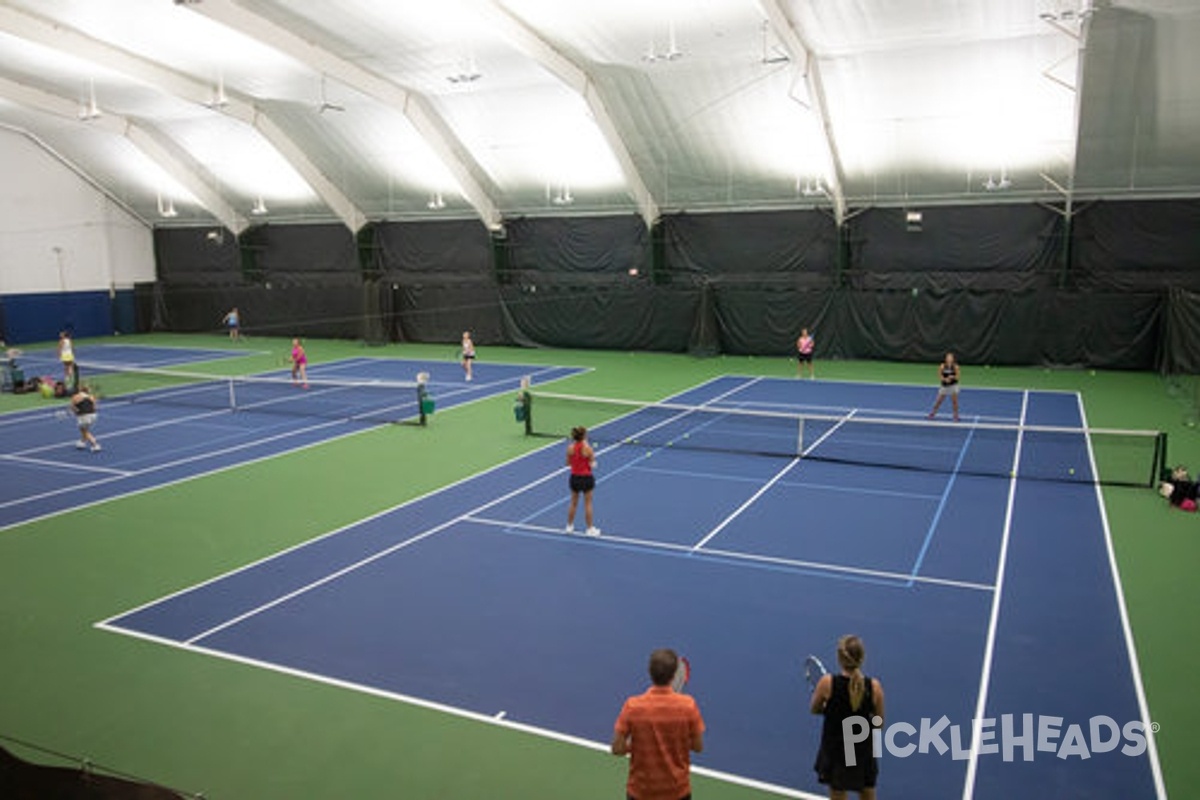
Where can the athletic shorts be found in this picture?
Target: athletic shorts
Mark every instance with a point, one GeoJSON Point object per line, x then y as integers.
{"type": "Point", "coordinates": [583, 483]}
{"type": "Point", "coordinates": [805, 358]}
{"type": "Point", "coordinates": [85, 420]}
{"type": "Point", "coordinates": [468, 356]}
{"type": "Point", "coordinates": [948, 389]}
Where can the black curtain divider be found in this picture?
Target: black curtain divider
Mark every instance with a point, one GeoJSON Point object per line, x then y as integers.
{"type": "Point", "coordinates": [310, 308]}
{"type": "Point", "coordinates": [198, 256]}
{"type": "Point", "coordinates": [440, 247]}
{"type": "Point", "coordinates": [985, 282]}
{"type": "Point", "coordinates": [956, 239]}
{"type": "Point", "coordinates": [801, 244]}
{"type": "Point", "coordinates": [614, 315]}
{"type": "Point", "coordinates": [439, 309]}
{"type": "Point", "coordinates": [767, 321]}
{"type": "Point", "coordinates": [578, 245]}
{"type": "Point", "coordinates": [296, 251]}
{"type": "Point", "coordinates": [1181, 339]}
{"type": "Point", "coordinates": [1127, 244]}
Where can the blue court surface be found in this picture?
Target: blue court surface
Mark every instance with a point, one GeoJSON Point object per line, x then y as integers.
{"type": "Point", "coordinates": [181, 430]}
{"type": "Point", "coordinates": [978, 597]}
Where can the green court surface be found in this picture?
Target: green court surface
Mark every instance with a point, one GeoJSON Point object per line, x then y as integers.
{"type": "Point", "coordinates": [231, 730]}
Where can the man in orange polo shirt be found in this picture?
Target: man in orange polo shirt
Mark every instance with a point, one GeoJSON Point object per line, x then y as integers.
{"type": "Point", "coordinates": [659, 730]}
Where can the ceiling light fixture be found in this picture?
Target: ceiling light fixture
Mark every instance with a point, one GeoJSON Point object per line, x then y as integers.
{"type": "Point", "coordinates": [89, 110]}
{"type": "Point", "coordinates": [912, 221]}
{"type": "Point", "coordinates": [811, 188]}
{"type": "Point", "coordinates": [1068, 12]}
{"type": "Point", "coordinates": [772, 53]}
{"type": "Point", "coordinates": [219, 98]}
{"type": "Point", "coordinates": [325, 104]}
{"type": "Point", "coordinates": [991, 185]}
{"type": "Point", "coordinates": [563, 197]}
{"type": "Point", "coordinates": [436, 202]}
{"type": "Point", "coordinates": [468, 71]}
{"type": "Point", "coordinates": [260, 208]}
{"type": "Point", "coordinates": [166, 207]}
{"type": "Point", "coordinates": [673, 53]}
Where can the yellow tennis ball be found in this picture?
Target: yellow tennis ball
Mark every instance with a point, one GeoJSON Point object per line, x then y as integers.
{"type": "Point", "coordinates": [1071, 471]}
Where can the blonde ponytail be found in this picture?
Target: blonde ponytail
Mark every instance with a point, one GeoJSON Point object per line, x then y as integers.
{"type": "Point", "coordinates": [850, 654]}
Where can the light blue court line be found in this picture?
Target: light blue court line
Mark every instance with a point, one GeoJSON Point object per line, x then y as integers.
{"type": "Point", "coordinates": [832, 487]}
{"type": "Point", "coordinates": [937, 514]}
{"type": "Point", "coordinates": [891, 580]}
{"type": "Point", "coordinates": [778, 476]}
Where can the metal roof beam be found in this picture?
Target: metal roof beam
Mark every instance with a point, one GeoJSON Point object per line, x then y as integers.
{"type": "Point", "coordinates": [183, 87]}
{"type": "Point", "coordinates": [577, 78]}
{"type": "Point", "coordinates": [798, 49]}
{"type": "Point", "coordinates": [152, 144]}
{"type": "Point", "coordinates": [471, 177]}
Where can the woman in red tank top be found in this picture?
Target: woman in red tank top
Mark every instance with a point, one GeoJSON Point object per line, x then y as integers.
{"type": "Point", "coordinates": [581, 459]}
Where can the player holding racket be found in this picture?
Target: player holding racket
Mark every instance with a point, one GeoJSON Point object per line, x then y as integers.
{"type": "Point", "coordinates": [582, 460]}
{"type": "Point", "coordinates": [233, 321]}
{"type": "Point", "coordinates": [83, 405]}
{"type": "Point", "coordinates": [948, 375]}
{"type": "Point", "coordinates": [299, 361]}
{"type": "Point", "coordinates": [467, 353]}
{"type": "Point", "coordinates": [66, 354]}
{"type": "Point", "coordinates": [804, 353]}
{"type": "Point", "coordinates": [659, 729]}
{"type": "Point", "coordinates": [838, 697]}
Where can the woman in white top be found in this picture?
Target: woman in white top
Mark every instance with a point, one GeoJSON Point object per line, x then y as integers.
{"type": "Point", "coordinates": [66, 354]}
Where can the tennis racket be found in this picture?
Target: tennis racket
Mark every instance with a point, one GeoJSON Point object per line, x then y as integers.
{"type": "Point", "coordinates": [814, 670]}
{"type": "Point", "coordinates": [683, 674]}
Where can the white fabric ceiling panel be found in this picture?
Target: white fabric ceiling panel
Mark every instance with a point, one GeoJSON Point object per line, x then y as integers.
{"type": "Point", "coordinates": [373, 109]}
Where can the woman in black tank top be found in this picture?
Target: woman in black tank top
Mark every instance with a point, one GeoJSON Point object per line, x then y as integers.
{"type": "Point", "coordinates": [848, 701]}
{"type": "Point", "coordinates": [948, 375]}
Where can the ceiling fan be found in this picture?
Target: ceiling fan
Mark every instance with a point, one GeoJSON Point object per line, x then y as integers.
{"type": "Point", "coordinates": [325, 104]}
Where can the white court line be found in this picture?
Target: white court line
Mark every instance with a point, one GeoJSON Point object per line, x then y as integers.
{"type": "Point", "coordinates": [989, 649]}
{"type": "Point", "coordinates": [343, 528]}
{"type": "Point", "coordinates": [66, 466]}
{"type": "Point", "coordinates": [475, 716]}
{"type": "Point", "coordinates": [399, 545]}
{"type": "Point", "coordinates": [901, 578]}
{"type": "Point", "coordinates": [179, 462]}
{"type": "Point", "coordinates": [778, 475]}
{"type": "Point", "coordinates": [1139, 690]}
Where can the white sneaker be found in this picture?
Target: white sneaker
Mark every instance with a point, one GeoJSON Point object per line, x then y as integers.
{"type": "Point", "coordinates": [96, 447]}
{"type": "Point", "coordinates": [80, 445]}
{"type": "Point", "coordinates": [570, 529]}
{"type": "Point", "coordinates": [593, 531]}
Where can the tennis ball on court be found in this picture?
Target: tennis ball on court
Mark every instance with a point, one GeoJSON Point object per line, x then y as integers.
{"type": "Point", "coordinates": [1071, 471]}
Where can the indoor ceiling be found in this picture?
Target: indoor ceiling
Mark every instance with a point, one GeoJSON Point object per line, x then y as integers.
{"type": "Point", "coordinates": [242, 111]}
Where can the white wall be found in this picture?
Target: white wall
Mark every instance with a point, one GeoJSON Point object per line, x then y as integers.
{"type": "Point", "coordinates": [58, 232]}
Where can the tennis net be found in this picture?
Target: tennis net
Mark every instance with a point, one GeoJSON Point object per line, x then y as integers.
{"type": "Point", "coordinates": [368, 402]}
{"type": "Point", "coordinates": [1121, 457]}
